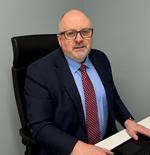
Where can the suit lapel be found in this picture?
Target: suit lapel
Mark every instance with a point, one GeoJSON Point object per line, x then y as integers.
{"type": "Point", "coordinates": [101, 67]}
{"type": "Point", "coordinates": [68, 82]}
{"type": "Point", "coordinates": [100, 70]}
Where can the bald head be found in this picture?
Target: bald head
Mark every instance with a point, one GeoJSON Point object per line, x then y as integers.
{"type": "Point", "coordinates": [76, 26]}
{"type": "Point", "coordinates": [74, 19]}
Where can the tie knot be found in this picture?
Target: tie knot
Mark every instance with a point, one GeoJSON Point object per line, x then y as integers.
{"type": "Point", "coordinates": [82, 68]}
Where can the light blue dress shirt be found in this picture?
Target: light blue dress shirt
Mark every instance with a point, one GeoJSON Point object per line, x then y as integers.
{"type": "Point", "coordinates": [98, 87]}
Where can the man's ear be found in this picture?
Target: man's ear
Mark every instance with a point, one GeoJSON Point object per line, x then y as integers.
{"type": "Point", "coordinates": [59, 39]}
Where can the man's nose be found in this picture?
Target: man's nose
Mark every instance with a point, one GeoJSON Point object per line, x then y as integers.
{"type": "Point", "coordinates": [78, 37]}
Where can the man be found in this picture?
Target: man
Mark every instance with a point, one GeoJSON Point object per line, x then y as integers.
{"type": "Point", "coordinates": [57, 98]}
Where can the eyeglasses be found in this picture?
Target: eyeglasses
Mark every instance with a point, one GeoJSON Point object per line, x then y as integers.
{"type": "Point", "coordinates": [72, 34]}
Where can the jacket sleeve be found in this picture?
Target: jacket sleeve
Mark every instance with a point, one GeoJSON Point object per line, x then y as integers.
{"type": "Point", "coordinates": [119, 109]}
{"type": "Point", "coordinates": [40, 114]}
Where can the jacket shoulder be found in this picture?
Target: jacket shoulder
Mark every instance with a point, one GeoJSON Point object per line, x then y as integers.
{"type": "Point", "coordinates": [45, 62]}
{"type": "Point", "coordinates": [98, 54]}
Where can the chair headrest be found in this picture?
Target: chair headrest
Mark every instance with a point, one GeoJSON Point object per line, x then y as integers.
{"type": "Point", "coordinates": [29, 48]}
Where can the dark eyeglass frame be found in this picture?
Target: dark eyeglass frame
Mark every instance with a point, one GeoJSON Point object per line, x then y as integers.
{"type": "Point", "coordinates": [76, 33]}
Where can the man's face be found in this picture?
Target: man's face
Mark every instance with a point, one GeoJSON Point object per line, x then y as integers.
{"type": "Point", "coordinates": [79, 47]}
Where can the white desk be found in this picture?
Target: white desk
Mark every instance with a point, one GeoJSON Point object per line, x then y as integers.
{"type": "Point", "coordinates": [120, 137]}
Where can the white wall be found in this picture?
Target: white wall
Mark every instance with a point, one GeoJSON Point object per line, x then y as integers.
{"type": "Point", "coordinates": [21, 17]}
{"type": "Point", "coordinates": [122, 30]}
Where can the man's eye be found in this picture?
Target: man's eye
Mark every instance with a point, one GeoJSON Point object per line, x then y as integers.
{"type": "Point", "coordinates": [70, 33]}
{"type": "Point", "coordinates": [85, 32]}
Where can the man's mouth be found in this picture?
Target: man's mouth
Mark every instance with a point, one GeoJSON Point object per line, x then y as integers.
{"type": "Point", "coordinates": [79, 47]}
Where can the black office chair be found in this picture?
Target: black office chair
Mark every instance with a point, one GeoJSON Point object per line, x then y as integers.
{"type": "Point", "coordinates": [27, 49]}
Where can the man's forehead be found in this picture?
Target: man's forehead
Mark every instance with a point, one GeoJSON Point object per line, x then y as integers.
{"type": "Point", "coordinates": [74, 19]}
{"type": "Point", "coordinates": [72, 13]}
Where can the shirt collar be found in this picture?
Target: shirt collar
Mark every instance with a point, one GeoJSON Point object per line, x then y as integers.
{"type": "Point", "coordinates": [74, 65]}
{"type": "Point", "coordinates": [87, 62]}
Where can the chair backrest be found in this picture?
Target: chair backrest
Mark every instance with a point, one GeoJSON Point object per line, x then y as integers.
{"type": "Point", "coordinates": [27, 49]}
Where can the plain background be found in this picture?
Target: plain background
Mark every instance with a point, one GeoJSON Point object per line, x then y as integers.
{"type": "Point", "coordinates": [121, 30]}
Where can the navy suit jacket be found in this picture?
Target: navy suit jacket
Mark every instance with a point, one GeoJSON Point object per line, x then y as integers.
{"type": "Point", "coordinates": [54, 107]}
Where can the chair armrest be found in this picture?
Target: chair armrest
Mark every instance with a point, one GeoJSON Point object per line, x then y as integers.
{"type": "Point", "coordinates": [26, 138]}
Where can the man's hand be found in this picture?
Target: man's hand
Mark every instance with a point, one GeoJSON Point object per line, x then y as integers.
{"type": "Point", "coordinates": [82, 148]}
{"type": "Point", "coordinates": [133, 129]}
